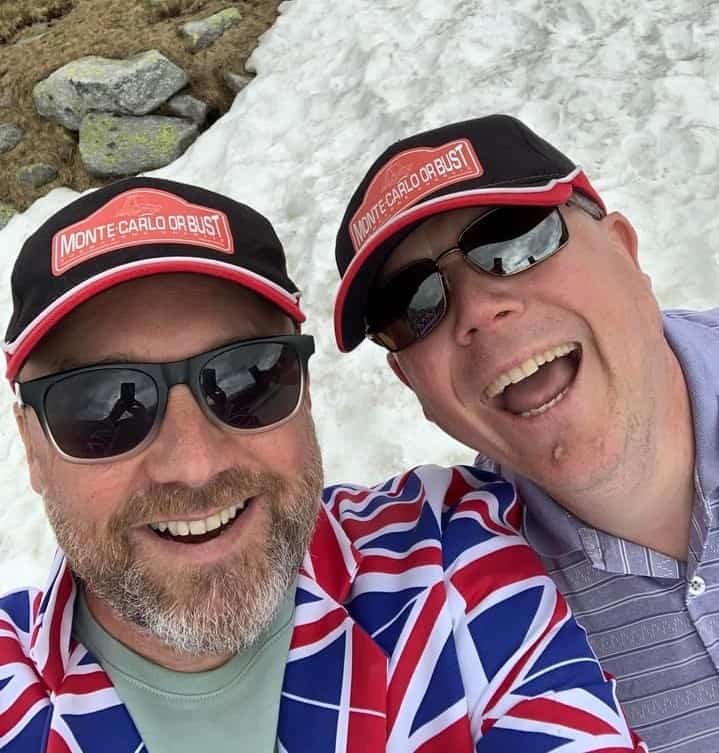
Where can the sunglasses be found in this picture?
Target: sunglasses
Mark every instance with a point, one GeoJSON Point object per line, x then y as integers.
{"type": "Point", "coordinates": [104, 412]}
{"type": "Point", "coordinates": [503, 242]}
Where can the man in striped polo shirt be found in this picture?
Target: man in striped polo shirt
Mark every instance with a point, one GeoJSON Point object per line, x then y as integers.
{"type": "Point", "coordinates": [513, 305]}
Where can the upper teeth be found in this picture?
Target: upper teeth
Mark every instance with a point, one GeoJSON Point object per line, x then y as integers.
{"type": "Point", "coordinates": [529, 367]}
{"type": "Point", "coordinates": [194, 527]}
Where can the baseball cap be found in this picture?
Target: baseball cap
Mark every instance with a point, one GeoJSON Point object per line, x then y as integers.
{"type": "Point", "coordinates": [134, 228]}
{"type": "Point", "coordinates": [485, 161]}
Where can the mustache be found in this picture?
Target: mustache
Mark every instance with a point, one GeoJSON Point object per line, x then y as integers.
{"type": "Point", "coordinates": [165, 501]}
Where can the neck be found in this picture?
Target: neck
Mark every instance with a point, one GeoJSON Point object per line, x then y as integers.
{"type": "Point", "coordinates": [649, 499]}
{"type": "Point", "coordinates": [146, 645]}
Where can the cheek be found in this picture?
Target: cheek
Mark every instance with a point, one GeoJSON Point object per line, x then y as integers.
{"type": "Point", "coordinates": [90, 495]}
{"type": "Point", "coordinates": [425, 364]}
{"type": "Point", "coordinates": [287, 450]}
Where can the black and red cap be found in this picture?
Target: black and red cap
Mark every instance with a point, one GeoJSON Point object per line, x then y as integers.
{"type": "Point", "coordinates": [134, 228]}
{"type": "Point", "coordinates": [486, 161]}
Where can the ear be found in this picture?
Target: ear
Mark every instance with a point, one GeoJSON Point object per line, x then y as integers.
{"type": "Point", "coordinates": [22, 419]}
{"type": "Point", "coordinates": [397, 369]}
{"type": "Point", "coordinates": [622, 232]}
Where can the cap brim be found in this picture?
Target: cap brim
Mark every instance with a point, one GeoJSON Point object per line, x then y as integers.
{"type": "Point", "coordinates": [353, 293]}
{"type": "Point", "coordinates": [18, 350]}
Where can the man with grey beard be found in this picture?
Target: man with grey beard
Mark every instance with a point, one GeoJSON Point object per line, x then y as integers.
{"type": "Point", "coordinates": [203, 599]}
{"type": "Point", "coordinates": [162, 401]}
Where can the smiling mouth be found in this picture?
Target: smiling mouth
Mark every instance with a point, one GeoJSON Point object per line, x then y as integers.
{"type": "Point", "coordinates": [537, 384]}
{"type": "Point", "coordinates": [200, 531]}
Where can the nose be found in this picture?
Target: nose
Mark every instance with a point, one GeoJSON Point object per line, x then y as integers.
{"type": "Point", "coordinates": [478, 301]}
{"type": "Point", "coordinates": [189, 449]}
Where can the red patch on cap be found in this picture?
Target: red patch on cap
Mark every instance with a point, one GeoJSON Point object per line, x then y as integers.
{"type": "Point", "coordinates": [407, 178]}
{"type": "Point", "coordinates": [137, 217]}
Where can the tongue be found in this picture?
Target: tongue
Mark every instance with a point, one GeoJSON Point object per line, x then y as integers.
{"type": "Point", "coordinates": [541, 387]}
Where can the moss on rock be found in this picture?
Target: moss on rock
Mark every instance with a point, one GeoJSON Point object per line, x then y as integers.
{"type": "Point", "coordinates": [113, 146]}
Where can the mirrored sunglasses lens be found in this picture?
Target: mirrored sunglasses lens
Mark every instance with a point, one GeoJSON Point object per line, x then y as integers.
{"type": "Point", "coordinates": [408, 306]}
{"type": "Point", "coordinates": [101, 413]}
{"type": "Point", "coordinates": [423, 313]}
{"type": "Point", "coordinates": [509, 240]}
{"type": "Point", "coordinates": [427, 307]}
{"type": "Point", "coordinates": [253, 386]}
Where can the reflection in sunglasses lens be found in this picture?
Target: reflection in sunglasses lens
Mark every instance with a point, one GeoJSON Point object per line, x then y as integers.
{"type": "Point", "coordinates": [101, 413]}
{"type": "Point", "coordinates": [252, 386]}
{"type": "Point", "coordinates": [427, 306]}
{"type": "Point", "coordinates": [509, 242]}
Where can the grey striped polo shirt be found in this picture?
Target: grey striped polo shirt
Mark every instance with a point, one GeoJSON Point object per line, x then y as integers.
{"type": "Point", "coordinates": [652, 620]}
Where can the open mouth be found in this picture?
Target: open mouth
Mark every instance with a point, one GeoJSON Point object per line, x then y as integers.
{"type": "Point", "coordinates": [537, 384]}
{"type": "Point", "coordinates": [200, 531]}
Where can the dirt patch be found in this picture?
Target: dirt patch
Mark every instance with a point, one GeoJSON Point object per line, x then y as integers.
{"type": "Point", "coordinates": [42, 36]}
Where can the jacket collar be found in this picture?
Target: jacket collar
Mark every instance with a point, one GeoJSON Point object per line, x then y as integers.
{"type": "Point", "coordinates": [334, 690]}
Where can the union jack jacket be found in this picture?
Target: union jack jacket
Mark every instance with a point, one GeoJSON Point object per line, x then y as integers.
{"type": "Point", "coordinates": [423, 623]}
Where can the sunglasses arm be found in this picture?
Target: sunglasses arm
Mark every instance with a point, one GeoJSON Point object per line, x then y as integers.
{"type": "Point", "coordinates": [18, 395]}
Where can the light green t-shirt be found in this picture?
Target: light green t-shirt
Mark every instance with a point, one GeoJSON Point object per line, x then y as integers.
{"type": "Point", "coordinates": [231, 709]}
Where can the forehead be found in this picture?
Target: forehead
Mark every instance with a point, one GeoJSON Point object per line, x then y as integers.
{"type": "Point", "coordinates": [156, 318]}
{"type": "Point", "coordinates": [433, 236]}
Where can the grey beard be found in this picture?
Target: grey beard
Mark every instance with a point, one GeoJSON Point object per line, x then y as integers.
{"type": "Point", "coordinates": [194, 610]}
{"type": "Point", "coordinates": [249, 599]}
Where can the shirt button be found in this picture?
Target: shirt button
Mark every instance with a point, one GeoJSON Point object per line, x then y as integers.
{"type": "Point", "coordinates": [697, 586]}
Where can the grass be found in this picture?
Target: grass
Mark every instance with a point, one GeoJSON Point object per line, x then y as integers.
{"type": "Point", "coordinates": [160, 9]}
{"type": "Point", "coordinates": [16, 15]}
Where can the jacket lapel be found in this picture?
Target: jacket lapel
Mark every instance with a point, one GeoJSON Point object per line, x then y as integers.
{"type": "Point", "coordinates": [335, 686]}
{"type": "Point", "coordinates": [84, 712]}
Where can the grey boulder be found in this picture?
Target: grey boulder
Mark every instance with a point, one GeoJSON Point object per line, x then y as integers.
{"type": "Point", "coordinates": [10, 136]}
{"type": "Point", "coordinates": [134, 86]}
{"type": "Point", "coordinates": [201, 34]}
{"type": "Point", "coordinates": [112, 145]}
{"type": "Point", "coordinates": [36, 175]}
{"type": "Point", "coordinates": [187, 106]}
{"type": "Point", "coordinates": [236, 82]}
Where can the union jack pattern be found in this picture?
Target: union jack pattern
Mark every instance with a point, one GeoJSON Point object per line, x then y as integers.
{"type": "Point", "coordinates": [423, 623]}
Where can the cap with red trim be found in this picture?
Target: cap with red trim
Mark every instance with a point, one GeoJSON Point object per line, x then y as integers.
{"type": "Point", "coordinates": [134, 228]}
{"type": "Point", "coordinates": [490, 160]}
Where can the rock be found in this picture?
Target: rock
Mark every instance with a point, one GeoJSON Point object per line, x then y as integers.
{"type": "Point", "coordinates": [236, 82]}
{"type": "Point", "coordinates": [186, 106]}
{"type": "Point", "coordinates": [7, 212]}
{"type": "Point", "coordinates": [36, 175]}
{"type": "Point", "coordinates": [10, 136]}
{"type": "Point", "coordinates": [112, 145]}
{"type": "Point", "coordinates": [134, 86]}
{"type": "Point", "coordinates": [201, 34]}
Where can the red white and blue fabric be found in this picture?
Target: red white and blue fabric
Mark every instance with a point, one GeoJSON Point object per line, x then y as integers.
{"type": "Point", "coordinates": [423, 623]}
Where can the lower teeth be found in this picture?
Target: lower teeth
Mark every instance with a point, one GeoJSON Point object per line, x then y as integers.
{"type": "Point", "coordinates": [546, 406]}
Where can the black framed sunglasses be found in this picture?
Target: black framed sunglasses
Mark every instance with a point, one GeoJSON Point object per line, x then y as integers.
{"type": "Point", "coordinates": [106, 411]}
{"type": "Point", "coordinates": [505, 241]}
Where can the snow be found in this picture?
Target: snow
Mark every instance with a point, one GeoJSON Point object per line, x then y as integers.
{"type": "Point", "coordinates": [628, 89]}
